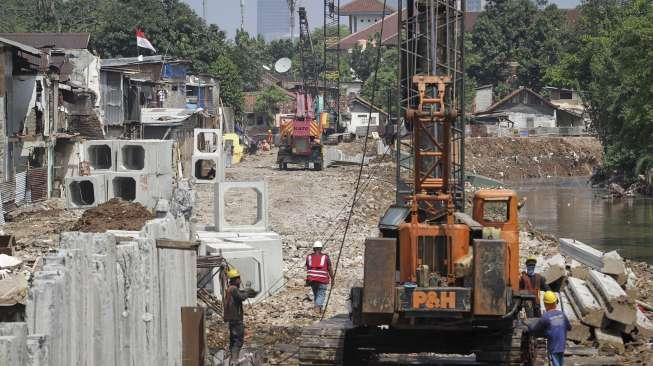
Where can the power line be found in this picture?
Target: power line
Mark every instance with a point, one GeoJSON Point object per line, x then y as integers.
{"type": "Point", "coordinates": [360, 170]}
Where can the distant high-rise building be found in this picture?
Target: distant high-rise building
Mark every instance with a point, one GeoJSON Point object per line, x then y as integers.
{"type": "Point", "coordinates": [273, 19]}
{"type": "Point", "coordinates": [473, 5]}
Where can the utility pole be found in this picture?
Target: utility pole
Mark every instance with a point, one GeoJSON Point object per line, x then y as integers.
{"type": "Point", "coordinates": [204, 9]}
{"type": "Point", "coordinates": [242, 14]}
{"type": "Point", "coordinates": [291, 7]}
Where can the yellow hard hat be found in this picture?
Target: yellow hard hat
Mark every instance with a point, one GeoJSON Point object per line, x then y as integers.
{"type": "Point", "coordinates": [233, 273]}
{"type": "Point", "coordinates": [531, 258]}
{"type": "Point", "coordinates": [550, 297]}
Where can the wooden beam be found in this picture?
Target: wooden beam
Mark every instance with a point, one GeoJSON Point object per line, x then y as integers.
{"type": "Point", "coordinates": [177, 244]}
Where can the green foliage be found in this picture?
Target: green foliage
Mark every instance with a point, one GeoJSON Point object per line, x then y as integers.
{"type": "Point", "coordinates": [362, 61]}
{"type": "Point", "coordinates": [612, 63]}
{"type": "Point", "coordinates": [267, 101]}
{"type": "Point", "coordinates": [522, 31]}
{"type": "Point", "coordinates": [231, 85]}
{"type": "Point", "coordinates": [384, 93]}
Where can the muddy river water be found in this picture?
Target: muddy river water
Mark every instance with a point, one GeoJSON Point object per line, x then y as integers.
{"type": "Point", "coordinates": [571, 208]}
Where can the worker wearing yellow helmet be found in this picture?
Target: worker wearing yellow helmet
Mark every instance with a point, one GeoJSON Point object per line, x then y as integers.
{"type": "Point", "coordinates": [233, 313]}
{"type": "Point", "coordinates": [533, 283]}
{"type": "Point", "coordinates": [554, 325]}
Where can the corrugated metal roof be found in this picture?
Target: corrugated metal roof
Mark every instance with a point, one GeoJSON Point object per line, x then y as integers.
{"type": "Point", "coordinates": [159, 116]}
{"type": "Point", "coordinates": [20, 46]}
{"type": "Point", "coordinates": [55, 40]}
{"type": "Point", "coordinates": [127, 61]}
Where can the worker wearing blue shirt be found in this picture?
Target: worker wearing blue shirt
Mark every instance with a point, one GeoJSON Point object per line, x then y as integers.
{"type": "Point", "coordinates": [554, 325]}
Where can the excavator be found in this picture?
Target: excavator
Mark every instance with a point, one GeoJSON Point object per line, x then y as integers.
{"type": "Point", "coordinates": [438, 280]}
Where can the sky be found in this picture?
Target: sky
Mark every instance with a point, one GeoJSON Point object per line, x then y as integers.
{"type": "Point", "coordinates": [226, 13]}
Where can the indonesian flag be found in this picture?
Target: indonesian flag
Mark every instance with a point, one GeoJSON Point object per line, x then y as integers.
{"type": "Point", "coordinates": [141, 41]}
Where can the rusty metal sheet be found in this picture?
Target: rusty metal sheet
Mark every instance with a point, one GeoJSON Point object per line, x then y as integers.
{"type": "Point", "coordinates": [490, 277]}
{"type": "Point", "coordinates": [37, 183]}
{"type": "Point", "coordinates": [379, 272]}
{"type": "Point", "coordinates": [193, 341]}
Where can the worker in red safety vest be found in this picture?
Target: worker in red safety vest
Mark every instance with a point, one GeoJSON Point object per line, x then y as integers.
{"type": "Point", "coordinates": [533, 283]}
{"type": "Point", "coordinates": [319, 272]}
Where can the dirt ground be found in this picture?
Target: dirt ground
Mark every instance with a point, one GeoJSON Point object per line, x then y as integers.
{"type": "Point", "coordinates": [517, 158]}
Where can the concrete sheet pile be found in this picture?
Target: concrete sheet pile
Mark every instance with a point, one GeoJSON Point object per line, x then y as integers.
{"type": "Point", "coordinates": [108, 299]}
{"type": "Point", "coordinates": [134, 170]}
{"type": "Point", "coordinates": [337, 157]}
{"type": "Point", "coordinates": [207, 155]}
{"type": "Point", "coordinates": [598, 295]}
{"type": "Point", "coordinates": [250, 247]}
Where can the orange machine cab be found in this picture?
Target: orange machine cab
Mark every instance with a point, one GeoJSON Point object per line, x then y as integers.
{"type": "Point", "coordinates": [441, 246]}
{"type": "Point", "coordinates": [498, 208]}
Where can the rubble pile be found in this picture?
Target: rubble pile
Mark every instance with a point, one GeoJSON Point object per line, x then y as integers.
{"type": "Point", "coordinates": [606, 298]}
{"type": "Point", "coordinates": [514, 158]}
{"type": "Point", "coordinates": [36, 227]}
{"type": "Point", "coordinates": [114, 214]}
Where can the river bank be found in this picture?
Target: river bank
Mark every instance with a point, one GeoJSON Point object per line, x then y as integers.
{"type": "Point", "coordinates": [517, 158]}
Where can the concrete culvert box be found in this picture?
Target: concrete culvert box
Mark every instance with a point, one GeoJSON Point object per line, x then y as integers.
{"type": "Point", "coordinates": [124, 187]}
{"type": "Point", "coordinates": [83, 192]}
{"type": "Point", "coordinates": [133, 157]}
{"type": "Point", "coordinates": [207, 141]}
{"type": "Point", "coordinates": [100, 157]}
{"type": "Point", "coordinates": [206, 168]}
{"type": "Point", "coordinates": [134, 187]}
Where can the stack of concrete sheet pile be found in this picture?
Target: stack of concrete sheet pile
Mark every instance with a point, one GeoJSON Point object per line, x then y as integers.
{"type": "Point", "coordinates": [207, 155]}
{"type": "Point", "coordinates": [597, 294]}
{"type": "Point", "coordinates": [134, 170]}
{"type": "Point", "coordinates": [108, 298]}
{"type": "Point", "coordinates": [250, 247]}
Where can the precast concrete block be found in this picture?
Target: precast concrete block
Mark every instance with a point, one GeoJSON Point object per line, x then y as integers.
{"type": "Point", "coordinates": [86, 191]}
{"type": "Point", "coordinates": [209, 138]}
{"type": "Point", "coordinates": [251, 265]}
{"type": "Point", "coordinates": [207, 168]}
{"type": "Point", "coordinates": [93, 283]}
{"type": "Point", "coordinates": [219, 213]}
{"type": "Point", "coordinates": [133, 187]}
{"type": "Point", "coordinates": [269, 242]}
{"type": "Point", "coordinates": [101, 155]}
{"type": "Point", "coordinates": [145, 156]}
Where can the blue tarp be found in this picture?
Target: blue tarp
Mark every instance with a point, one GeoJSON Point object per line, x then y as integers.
{"type": "Point", "coordinates": [174, 71]}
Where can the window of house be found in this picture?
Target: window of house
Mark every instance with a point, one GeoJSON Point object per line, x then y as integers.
{"type": "Point", "coordinates": [530, 122]}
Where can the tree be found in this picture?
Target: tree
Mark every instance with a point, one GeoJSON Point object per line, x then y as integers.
{"type": "Point", "coordinates": [267, 101]}
{"type": "Point", "coordinates": [611, 62]}
{"type": "Point", "coordinates": [231, 85]}
{"type": "Point", "coordinates": [361, 61]}
{"type": "Point", "coordinates": [520, 31]}
{"type": "Point", "coordinates": [384, 92]}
